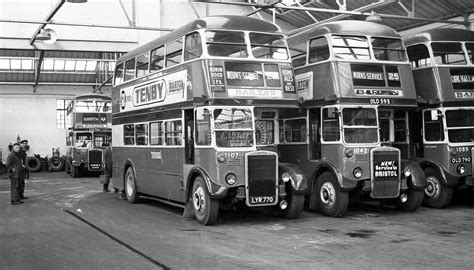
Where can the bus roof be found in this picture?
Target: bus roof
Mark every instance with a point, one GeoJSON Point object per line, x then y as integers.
{"type": "Point", "coordinates": [441, 34]}
{"type": "Point", "coordinates": [345, 27]}
{"type": "Point", "coordinates": [227, 22]}
{"type": "Point", "coordinates": [92, 96]}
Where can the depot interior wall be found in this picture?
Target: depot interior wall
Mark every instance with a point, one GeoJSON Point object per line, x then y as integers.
{"type": "Point", "coordinates": [32, 116]}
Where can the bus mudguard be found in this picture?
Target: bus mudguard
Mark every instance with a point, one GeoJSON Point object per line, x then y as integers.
{"type": "Point", "coordinates": [448, 179]}
{"type": "Point", "coordinates": [416, 179]}
{"type": "Point", "coordinates": [215, 191]}
{"type": "Point", "coordinates": [344, 183]}
{"type": "Point", "coordinates": [298, 179]}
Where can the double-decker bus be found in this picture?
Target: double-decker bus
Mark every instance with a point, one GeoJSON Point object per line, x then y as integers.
{"type": "Point", "coordinates": [91, 127]}
{"type": "Point", "coordinates": [193, 119]}
{"type": "Point", "coordinates": [355, 83]}
{"type": "Point", "coordinates": [442, 61]}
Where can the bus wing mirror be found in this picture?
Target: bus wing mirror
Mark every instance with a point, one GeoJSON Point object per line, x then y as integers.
{"type": "Point", "coordinates": [435, 114]}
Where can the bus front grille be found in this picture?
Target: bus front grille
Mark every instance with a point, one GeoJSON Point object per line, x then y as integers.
{"type": "Point", "coordinates": [385, 173]}
{"type": "Point", "coordinates": [262, 180]}
{"type": "Point", "coordinates": [95, 159]}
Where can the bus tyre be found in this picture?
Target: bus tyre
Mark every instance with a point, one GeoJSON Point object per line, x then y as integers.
{"type": "Point", "coordinates": [333, 202]}
{"type": "Point", "coordinates": [75, 170]}
{"type": "Point", "coordinates": [131, 186]}
{"type": "Point", "coordinates": [414, 201]}
{"type": "Point", "coordinates": [205, 207]}
{"type": "Point", "coordinates": [437, 195]}
{"type": "Point", "coordinates": [295, 206]}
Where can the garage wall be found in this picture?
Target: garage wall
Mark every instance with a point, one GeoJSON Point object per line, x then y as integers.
{"type": "Point", "coordinates": [32, 116]}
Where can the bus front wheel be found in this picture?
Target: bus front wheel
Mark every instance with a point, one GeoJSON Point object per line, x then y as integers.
{"type": "Point", "coordinates": [131, 186]}
{"type": "Point", "coordinates": [437, 195]}
{"type": "Point", "coordinates": [205, 207]}
{"type": "Point", "coordinates": [332, 201]}
{"type": "Point", "coordinates": [295, 206]}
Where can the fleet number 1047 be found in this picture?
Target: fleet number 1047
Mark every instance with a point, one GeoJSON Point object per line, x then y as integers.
{"type": "Point", "coordinates": [380, 101]}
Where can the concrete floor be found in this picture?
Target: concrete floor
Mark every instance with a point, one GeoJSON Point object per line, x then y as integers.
{"type": "Point", "coordinates": [70, 224]}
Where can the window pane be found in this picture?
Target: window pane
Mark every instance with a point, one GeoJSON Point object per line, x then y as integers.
{"type": "Point", "coordinates": [193, 46]}
{"type": "Point", "coordinates": [330, 127]}
{"type": "Point", "coordinates": [203, 127]}
{"type": "Point", "coordinates": [173, 132]}
{"type": "Point", "coordinates": [173, 53]}
{"type": "Point", "coordinates": [388, 49]}
{"type": "Point", "coordinates": [419, 56]}
{"type": "Point", "coordinates": [268, 46]}
{"type": "Point", "coordinates": [119, 74]}
{"type": "Point", "coordinates": [142, 64]}
{"type": "Point", "coordinates": [156, 133]}
{"type": "Point", "coordinates": [318, 50]}
{"type": "Point", "coordinates": [433, 127]}
{"type": "Point", "coordinates": [264, 130]}
{"type": "Point", "coordinates": [130, 69]}
{"type": "Point", "coordinates": [298, 54]}
{"type": "Point", "coordinates": [295, 130]}
{"type": "Point", "coordinates": [128, 135]}
{"type": "Point", "coordinates": [141, 134]}
{"type": "Point", "coordinates": [158, 58]}
{"type": "Point", "coordinates": [448, 53]}
{"type": "Point", "coordinates": [350, 47]}
{"type": "Point", "coordinates": [470, 51]}
{"type": "Point", "coordinates": [226, 44]}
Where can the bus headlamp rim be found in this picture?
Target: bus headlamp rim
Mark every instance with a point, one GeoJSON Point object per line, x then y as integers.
{"type": "Point", "coordinates": [357, 172]}
{"type": "Point", "coordinates": [460, 169]}
{"type": "Point", "coordinates": [349, 153]}
{"type": "Point", "coordinates": [220, 158]}
{"type": "Point", "coordinates": [231, 179]}
{"type": "Point", "coordinates": [285, 177]}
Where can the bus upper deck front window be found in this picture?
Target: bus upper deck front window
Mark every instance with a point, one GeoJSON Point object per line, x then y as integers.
{"type": "Point", "coordinates": [226, 44]}
{"type": "Point", "coordinates": [268, 46]}
{"type": "Point", "coordinates": [448, 53]}
{"type": "Point", "coordinates": [388, 49]}
{"type": "Point", "coordinates": [360, 125]}
{"type": "Point", "coordinates": [350, 47]}
{"type": "Point", "coordinates": [233, 127]}
{"type": "Point", "coordinates": [93, 106]}
{"type": "Point", "coordinates": [460, 124]}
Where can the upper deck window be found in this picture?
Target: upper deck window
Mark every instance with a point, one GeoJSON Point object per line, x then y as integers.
{"type": "Point", "coordinates": [119, 74]}
{"type": "Point", "coordinates": [226, 44]}
{"type": "Point", "coordinates": [448, 53]}
{"type": "Point", "coordinates": [318, 50]}
{"type": "Point", "coordinates": [350, 47]}
{"type": "Point", "coordinates": [92, 106]}
{"type": "Point", "coordinates": [470, 51]}
{"type": "Point", "coordinates": [173, 52]}
{"type": "Point", "coordinates": [298, 54]}
{"type": "Point", "coordinates": [388, 49]}
{"type": "Point", "coordinates": [192, 46]}
{"type": "Point", "coordinates": [419, 56]}
{"type": "Point", "coordinates": [157, 58]}
{"type": "Point", "coordinates": [142, 64]}
{"type": "Point", "coordinates": [129, 69]}
{"type": "Point", "coordinates": [268, 46]}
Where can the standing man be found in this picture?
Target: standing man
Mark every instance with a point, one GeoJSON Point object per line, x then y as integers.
{"type": "Point", "coordinates": [14, 170]}
{"type": "Point", "coordinates": [26, 173]}
{"type": "Point", "coordinates": [107, 163]}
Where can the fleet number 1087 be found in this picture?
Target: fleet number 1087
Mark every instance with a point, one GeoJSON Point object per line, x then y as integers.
{"type": "Point", "coordinates": [380, 101]}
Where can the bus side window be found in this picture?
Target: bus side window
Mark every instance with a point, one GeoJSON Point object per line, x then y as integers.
{"type": "Point", "coordinates": [129, 69]}
{"type": "Point", "coordinates": [315, 144]}
{"type": "Point", "coordinates": [157, 58]}
{"type": "Point", "coordinates": [142, 64]}
{"type": "Point", "coordinates": [203, 127]}
{"type": "Point", "coordinates": [128, 135]}
{"type": "Point", "coordinates": [173, 132]}
{"type": "Point", "coordinates": [298, 54]}
{"type": "Point", "coordinates": [192, 46]}
{"type": "Point", "coordinates": [173, 53]}
{"type": "Point", "coordinates": [156, 133]}
{"type": "Point", "coordinates": [318, 50]}
{"type": "Point", "coordinates": [118, 75]}
{"type": "Point", "coordinates": [141, 134]}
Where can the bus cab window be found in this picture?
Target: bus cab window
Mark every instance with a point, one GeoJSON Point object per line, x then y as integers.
{"type": "Point", "coordinates": [330, 126]}
{"type": "Point", "coordinates": [295, 130]}
{"type": "Point", "coordinates": [203, 126]}
{"type": "Point", "coordinates": [433, 127]}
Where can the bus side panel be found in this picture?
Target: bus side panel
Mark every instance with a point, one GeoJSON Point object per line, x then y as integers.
{"type": "Point", "coordinates": [206, 158]}
{"type": "Point", "coordinates": [159, 171]}
{"type": "Point", "coordinates": [296, 154]}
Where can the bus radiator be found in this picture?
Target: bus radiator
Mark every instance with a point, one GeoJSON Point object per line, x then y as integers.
{"type": "Point", "coordinates": [262, 180]}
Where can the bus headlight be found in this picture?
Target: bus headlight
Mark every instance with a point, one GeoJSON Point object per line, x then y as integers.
{"type": "Point", "coordinates": [460, 169]}
{"type": "Point", "coordinates": [357, 172]}
{"type": "Point", "coordinates": [285, 177]}
{"type": "Point", "coordinates": [407, 172]}
{"type": "Point", "coordinates": [349, 153]}
{"type": "Point", "coordinates": [231, 179]}
{"type": "Point", "coordinates": [220, 157]}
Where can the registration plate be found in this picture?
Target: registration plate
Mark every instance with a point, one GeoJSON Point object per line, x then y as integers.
{"type": "Point", "coordinates": [261, 200]}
